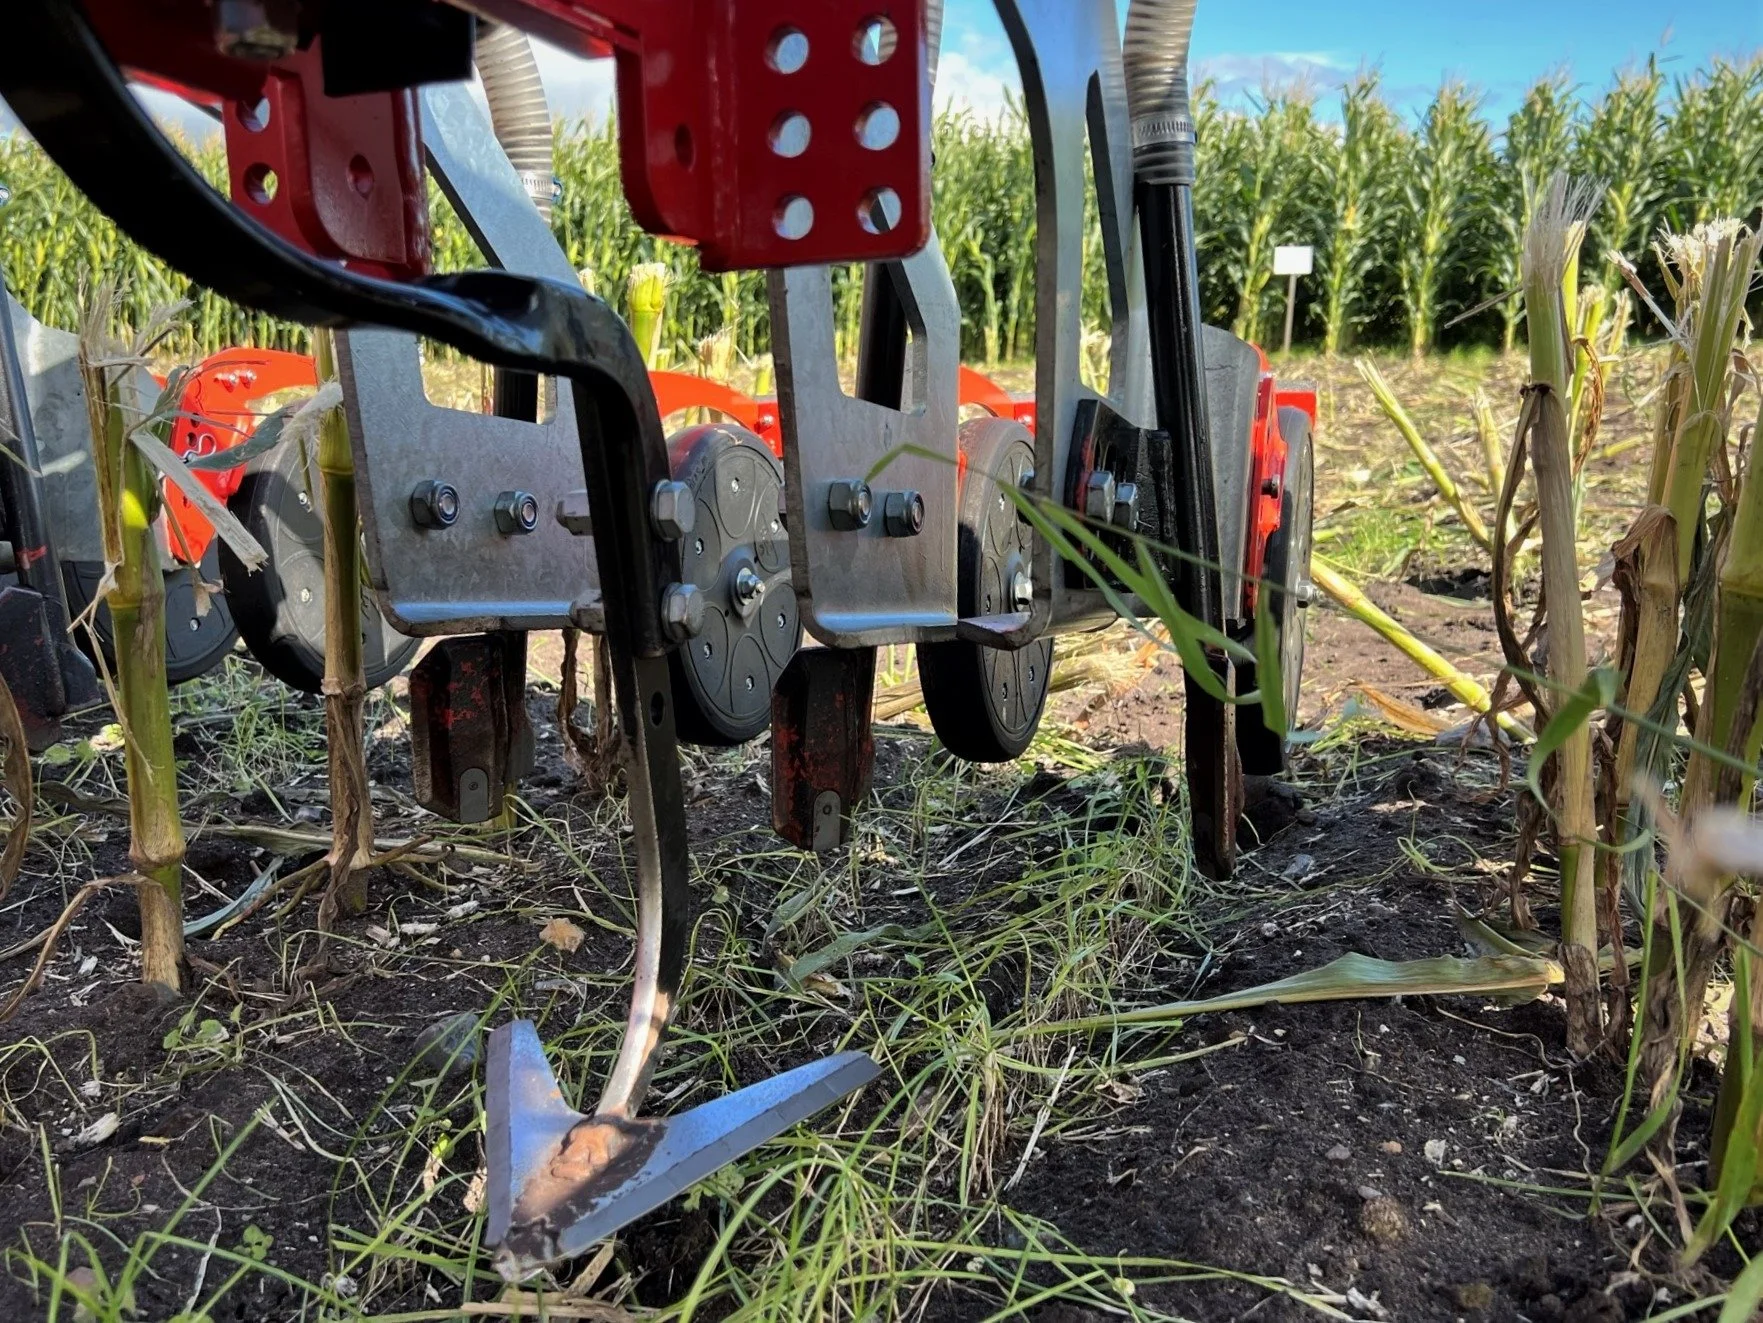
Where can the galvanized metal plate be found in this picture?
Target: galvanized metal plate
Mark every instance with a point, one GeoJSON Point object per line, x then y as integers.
{"type": "Point", "coordinates": [1074, 93]}
{"type": "Point", "coordinates": [470, 576]}
{"type": "Point", "coordinates": [861, 587]}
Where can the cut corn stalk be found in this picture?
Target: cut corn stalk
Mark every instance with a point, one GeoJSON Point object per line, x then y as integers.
{"type": "Point", "coordinates": [1428, 457]}
{"type": "Point", "coordinates": [15, 777]}
{"type": "Point", "coordinates": [1551, 245]}
{"type": "Point", "coordinates": [1465, 688]}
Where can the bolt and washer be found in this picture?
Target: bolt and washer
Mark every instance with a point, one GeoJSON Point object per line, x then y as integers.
{"type": "Point", "coordinates": [1126, 507]}
{"type": "Point", "coordinates": [849, 504]}
{"type": "Point", "coordinates": [747, 590]}
{"type": "Point", "coordinates": [673, 509]}
{"type": "Point", "coordinates": [1022, 591]}
{"type": "Point", "coordinates": [516, 512]}
{"type": "Point", "coordinates": [1099, 497]}
{"type": "Point", "coordinates": [572, 513]}
{"type": "Point", "coordinates": [434, 504]}
{"type": "Point", "coordinates": [682, 611]}
{"type": "Point", "coordinates": [245, 30]}
{"type": "Point", "coordinates": [903, 514]}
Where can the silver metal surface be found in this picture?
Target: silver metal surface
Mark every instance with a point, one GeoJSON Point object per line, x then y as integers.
{"type": "Point", "coordinates": [548, 1200]}
{"type": "Point", "coordinates": [1233, 374]}
{"type": "Point", "coordinates": [57, 398]}
{"type": "Point", "coordinates": [1065, 48]}
{"type": "Point", "coordinates": [470, 576]}
{"type": "Point", "coordinates": [858, 587]}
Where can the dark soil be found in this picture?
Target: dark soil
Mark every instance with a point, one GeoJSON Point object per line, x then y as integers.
{"type": "Point", "coordinates": [1299, 1152]}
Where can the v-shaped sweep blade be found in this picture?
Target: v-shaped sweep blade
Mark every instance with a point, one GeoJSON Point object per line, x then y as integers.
{"type": "Point", "coordinates": [559, 1181]}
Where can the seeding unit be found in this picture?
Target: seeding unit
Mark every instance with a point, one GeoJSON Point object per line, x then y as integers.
{"type": "Point", "coordinates": [782, 134]}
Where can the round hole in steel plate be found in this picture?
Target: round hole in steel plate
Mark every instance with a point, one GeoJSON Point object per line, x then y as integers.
{"type": "Point", "coordinates": [876, 40]}
{"type": "Point", "coordinates": [878, 127]}
{"type": "Point", "coordinates": [794, 217]}
{"type": "Point", "coordinates": [880, 210]}
{"type": "Point", "coordinates": [790, 133]}
{"type": "Point", "coordinates": [788, 50]}
{"type": "Point", "coordinates": [255, 115]}
{"type": "Point", "coordinates": [360, 175]}
{"type": "Point", "coordinates": [260, 184]}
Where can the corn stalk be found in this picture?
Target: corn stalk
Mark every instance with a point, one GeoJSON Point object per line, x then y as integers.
{"type": "Point", "coordinates": [134, 590]}
{"type": "Point", "coordinates": [345, 681]}
{"type": "Point", "coordinates": [1423, 451]}
{"type": "Point", "coordinates": [1554, 237]}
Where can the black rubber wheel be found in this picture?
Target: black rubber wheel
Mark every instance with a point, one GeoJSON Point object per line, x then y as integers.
{"type": "Point", "coordinates": [194, 644]}
{"type": "Point", "coordinates": [280, 608]}
{"type": "Point", "coordinates": [738, 556]}
{"type": "Point", "coordinates": [986, 703]}
{"type": "Point", "coordinates": [1288, 564]}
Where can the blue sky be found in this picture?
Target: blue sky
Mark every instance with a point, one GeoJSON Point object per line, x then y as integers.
{"type": "Point", "coordinates": [1501, 46]}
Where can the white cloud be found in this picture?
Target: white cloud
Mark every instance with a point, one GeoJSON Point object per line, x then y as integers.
{"type": "Point", "coordinates": [1239, 74]}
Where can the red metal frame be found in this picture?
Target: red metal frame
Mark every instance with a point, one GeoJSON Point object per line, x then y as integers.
{"type": "Point", "coordinates": [702, 97]}
{"type": "Point", "coordinates": [1267, 485]}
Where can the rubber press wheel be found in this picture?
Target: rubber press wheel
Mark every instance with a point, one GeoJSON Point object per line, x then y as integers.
{"type": "Point", "coordinates": [195, 642]}
{"type": "Point", "coordinates": [738, 556]}
{"type": "Point", "coordinates": [986, 703]}
{"type": "Point", "coordinates": [280, 608]}
{"type": "Point", "coordinates": [1287, 565]}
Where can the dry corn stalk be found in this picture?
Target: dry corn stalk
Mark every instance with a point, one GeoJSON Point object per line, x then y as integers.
{"type": "Point", "coordinates": [1551, 246]}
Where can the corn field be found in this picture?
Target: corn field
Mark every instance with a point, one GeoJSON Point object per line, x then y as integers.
{"type": "Point", "coordinates": [1416, 220]}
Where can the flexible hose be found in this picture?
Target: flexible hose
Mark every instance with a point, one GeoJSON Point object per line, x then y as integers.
{"type": "Point", "coordinates": [518, 110]}
{"type": "Point", "coordinates": [1158, 33]}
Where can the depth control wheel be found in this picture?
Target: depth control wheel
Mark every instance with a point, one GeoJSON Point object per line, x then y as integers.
{"type": "Point", "coordinates": [1287, 572]}
{"type": "Point", "coordinates": [986, 703]}
{"type": "Point", "coordinates": [738, 556]}
{"type": "Point", "coordinates": [195, 641]}
{"type": "Point", "coordinates": [280, 608]}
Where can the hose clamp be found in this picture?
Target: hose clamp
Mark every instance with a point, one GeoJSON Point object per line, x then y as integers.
{"type": "Point", "coordinates": [1164, 126]}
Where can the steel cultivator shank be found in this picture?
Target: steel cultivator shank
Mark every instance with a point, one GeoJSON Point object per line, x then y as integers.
{"type": "Point", "coordinates": [784, 134]}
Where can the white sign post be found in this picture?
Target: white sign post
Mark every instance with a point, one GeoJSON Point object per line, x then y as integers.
{"type": "Point", "coordinates": [1292, 261]}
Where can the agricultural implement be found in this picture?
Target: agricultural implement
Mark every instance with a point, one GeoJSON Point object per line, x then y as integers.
{"type": "Point", "coordinates": [779, 134]}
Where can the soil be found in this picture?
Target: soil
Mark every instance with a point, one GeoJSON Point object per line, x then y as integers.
{"type": "Point", "coordinates": [1308, 1149]}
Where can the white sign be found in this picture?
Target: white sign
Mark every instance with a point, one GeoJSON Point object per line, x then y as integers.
{"type": "Point", "coordinates": [1292, 259]}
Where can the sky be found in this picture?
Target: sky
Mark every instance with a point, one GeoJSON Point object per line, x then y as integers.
{"type": "Point", "coordinates": [1499, 46]}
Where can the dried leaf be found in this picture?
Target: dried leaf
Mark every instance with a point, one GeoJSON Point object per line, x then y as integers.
{"type": "Point", "coordinates": [15, 775]}
{"type": "Point", "coordinates": [563, 935]}
{"type": "Point", "coordinates": [1402, 714]}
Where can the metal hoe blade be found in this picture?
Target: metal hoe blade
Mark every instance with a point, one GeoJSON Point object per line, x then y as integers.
{"type": "Point", "coordinates": [559, 1181]}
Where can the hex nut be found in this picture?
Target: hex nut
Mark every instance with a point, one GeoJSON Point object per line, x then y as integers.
{"type": "Point", "coordinates": [1022, 591]}
{"type": "Point", "coordinates": [573, 513]}
{"type": "Point", "coordinates": [682, 611]}
{"type": "Point", "coordinates": [1099, 497]}
{"type": "Point", "coordinates": [849, 504]}
{"type": "Point", "coordinates": [1126, 507]}
{"type": "Point", "coordinates": [673, 509]}
{"type": "Point", "coordinates": [434, 504]}
{"type": "Point", "coordinates": [903, 514]}
{"type": "Point", "coordinates": [516, 512]}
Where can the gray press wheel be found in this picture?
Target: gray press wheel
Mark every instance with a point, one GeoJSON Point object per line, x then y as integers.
{"type": "Point", "coordinates": [738, 556]}
{"type": "Point", "coordinates": [194, 644]}
{"type": "Point", "coordinates": [986, 703]}
{"type": "Point", "coordinates": [1288, 564]}
{"type": "Point", "coordinates": [280, 608]}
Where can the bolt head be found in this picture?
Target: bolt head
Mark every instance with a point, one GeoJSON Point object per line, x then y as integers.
{"type": "Point", "coordinates": [434, 504]}
{"type": "Point", "coordinates": [674, 510]}
{"type": "Point", "coordinates": [747, 589]}
{"type": "Point", "coordinates": [903, 514]}
{"type": "Point", "coordinates": [1126, 507]}
{"type": "Point", "coordinates": [849, 504]}
{"type": "Point", "coordinates": [682, 611]}
{"type": "Point", "coordinates": [1099, 497]}
{"type": "Point", "coordinates": [516, 512]}
{"type": "Point", "coordinates": [245, 30]}
{"type": "Point", "coordinates": [572, 513]}
{"type": "Point", "coordinates": [1022, 591]}
{"type": "Point", "coordinates": [1270, 487]}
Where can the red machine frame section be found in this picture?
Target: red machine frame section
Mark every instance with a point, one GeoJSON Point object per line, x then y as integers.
{"type": "Point", "coordinates": [1267, 485]}
{"type": "Point", "coordinates": [215, 413]}
{"type": "Point", "coordinates": [766, 132]}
